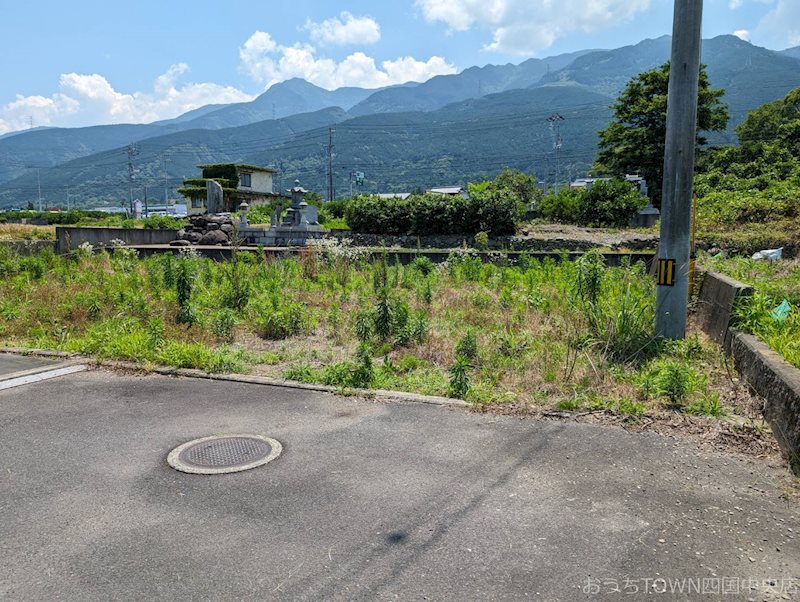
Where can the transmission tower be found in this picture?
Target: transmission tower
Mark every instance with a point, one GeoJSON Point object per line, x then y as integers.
{"type": "Point", "coordinates": [555, 130]}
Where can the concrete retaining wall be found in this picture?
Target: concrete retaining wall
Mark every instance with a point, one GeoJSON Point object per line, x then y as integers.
{"type": "Point", "coordinates": [766, 372]}
{"type": "Point", "coordinates": [69, 238]}
{"type": "Point", "coordinates": [511, 243]}
{"type": "Point", "coordinates": [718, 295]}
{"type": "Point", "coordinates": [775, 379]}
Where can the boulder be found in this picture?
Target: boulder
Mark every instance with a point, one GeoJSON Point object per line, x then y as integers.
{"type": "Point", "coordinates": [215, 237]}
{"type": "Point", "coordinates": [181, 233]}
{"type": "Point", "coordinates": [193, 237]}
{"type": "Point", "coordinates": [212, 226]}
{"type": "Point", "coordinates": [180, 243]}
{"type": "Point", "coordinates": [227, 228]}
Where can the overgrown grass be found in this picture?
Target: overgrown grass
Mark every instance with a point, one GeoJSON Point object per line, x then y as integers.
{"type": "Point", "coordinates": [773, 282]}
{"type": "Point", "coordinates": [537, 334]}
{"type": "Point", "coordinates": [26, 232]}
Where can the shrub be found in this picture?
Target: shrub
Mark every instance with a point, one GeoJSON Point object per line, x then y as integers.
{"type": "Point", "coordinates": [608, 203]}
{"type": "Point", "coordinates": [490, 210]}
{"type": "Point", "coordinates": [282, 320]}
{"type": "Point", "coordinates": [563, 207]}
{"type": "Point", "coordinates": [467, 347]}
{"type": "Point", "coordinates": [163, 222]}
{"type": "Point", "coordinates": [459, 378]}
{"type": "Point", "coordinates": [612, 203]}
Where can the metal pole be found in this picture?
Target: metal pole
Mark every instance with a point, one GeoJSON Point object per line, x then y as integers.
{"type": "Point", "coordinates": [166, 194]}
{"type": "Point", "coordinates": [39, 184]}
{"type": "Point", "coordinates": [672, 292]}
{"type": "Point", "coordinates": [330, 164]}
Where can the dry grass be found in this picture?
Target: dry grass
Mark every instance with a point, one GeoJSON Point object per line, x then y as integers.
{"type": "Point", "coordinates": [27, 232]}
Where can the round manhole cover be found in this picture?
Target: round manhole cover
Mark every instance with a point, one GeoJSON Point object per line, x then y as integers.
{"type": "Point", "coordinates": [221, 454]}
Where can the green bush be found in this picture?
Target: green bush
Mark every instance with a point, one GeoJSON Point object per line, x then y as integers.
{"type": "Point", "coordinates": [608, 203]}
{"type": "Point", "coordinates": [612, 203]}
{"type": "Point", "coordinates": [486, 210]}
{"type": "Point", "coordinates": [163, 222]}
{"type": "Point", "coordinates": [563, 207]}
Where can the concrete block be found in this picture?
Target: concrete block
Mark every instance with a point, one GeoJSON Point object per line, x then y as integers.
{"type": "Point", "coordinates": [778, 382]}
{"type": "Point", "coordinates": [715, 304]}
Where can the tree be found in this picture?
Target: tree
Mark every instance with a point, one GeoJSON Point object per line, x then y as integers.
{"type": "Point", "coordinates": [634, 141]}
{"type": "Point", "coordinates": [768, 150]}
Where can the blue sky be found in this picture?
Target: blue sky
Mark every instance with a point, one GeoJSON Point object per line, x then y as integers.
{"type": "Point", "coordinates": [91, 62]}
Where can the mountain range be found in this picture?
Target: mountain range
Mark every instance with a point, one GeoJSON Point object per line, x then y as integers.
{"type": "Point", "coordinates": [447, 130]}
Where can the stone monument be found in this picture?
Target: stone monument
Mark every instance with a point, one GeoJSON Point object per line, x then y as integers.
{"type": "Point", "coordinates": [214, 197]}
{"type": "Point", "coordinates": [298, 226]}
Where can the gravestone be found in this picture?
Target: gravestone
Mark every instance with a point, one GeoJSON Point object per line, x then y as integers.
{"type": "Point", "coordinates": [214, 197]}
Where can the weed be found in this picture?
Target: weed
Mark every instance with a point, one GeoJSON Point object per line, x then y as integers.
{"type": "Point", "coordinates": [467, 347]}
{"type": "Point", "coordinates": [459, 378]}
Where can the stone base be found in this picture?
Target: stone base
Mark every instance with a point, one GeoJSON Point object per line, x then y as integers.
{"type": "Point", "coordinates": [282, 236]}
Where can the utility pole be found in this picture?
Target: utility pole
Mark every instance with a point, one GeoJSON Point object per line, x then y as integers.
{"type": "Point", "coordinates": [146, 212]}
{"type": "Point", "coordinates": [39, 186]}
{"type": "Point", "coordinates": [132, 151]}
{"type": "Point", "coordinates": [672, 292]}
{"type": "Point", "coordinates": [330, 164]}
{"type": "Point", "coordinates": [555, 123]}
{"type": "Point", "coordinates": [166, 194]}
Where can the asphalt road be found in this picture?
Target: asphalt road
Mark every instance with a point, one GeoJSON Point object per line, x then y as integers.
{"type": "Point", "coordinates": [369, 501]}
{"type": "Point", "coordinates": [10, 364]}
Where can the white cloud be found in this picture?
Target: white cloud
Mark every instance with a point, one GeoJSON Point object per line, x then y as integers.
{"type": "Point", "coordinates": [780, 27]}
{"type": "Point", "coordinates": [522, 27]}
{"type": "Point", "coordinates": [269, 63]}
{"type": "Point", "coordinates": [734, 4]}
{"type": "Point", "coordinates": [92, 100]}
{"type": "Point", "coordinates": [742, 34]}
{"type": "Point", "coordinates": [344, 30]}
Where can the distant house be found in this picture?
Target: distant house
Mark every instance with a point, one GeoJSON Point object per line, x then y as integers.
{"type": "Point", "coordinates": [394, 195]}
{"type": "Point", "coordinates": [636, 180]}
{"type": "Point", "coordinates": [449, 190]}
{"type": "Point", "coordinates": [240, 182]}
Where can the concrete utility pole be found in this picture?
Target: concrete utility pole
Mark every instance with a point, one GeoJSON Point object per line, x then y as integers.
{"type": "Point", "coordinates": [166, 193]}
{"type": "Point", "coordinates": [330, 164]}
{"type": "Point", "coordinates": [672, 292]}
{"type": "Point", "coordinates": [39, 185]}
{"type": "Point", "coordinates": [132, 151]}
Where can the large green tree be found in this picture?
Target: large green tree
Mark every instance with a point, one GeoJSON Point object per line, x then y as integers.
{"type": "Point", "coordinates": [634, 141]}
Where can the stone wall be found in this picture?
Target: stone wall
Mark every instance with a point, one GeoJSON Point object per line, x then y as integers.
{"type": "Point", "coordinates": [510, 243]}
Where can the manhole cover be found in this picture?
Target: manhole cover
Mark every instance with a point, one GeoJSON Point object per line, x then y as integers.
{"type": "Point", "coordinates": [223, 454]}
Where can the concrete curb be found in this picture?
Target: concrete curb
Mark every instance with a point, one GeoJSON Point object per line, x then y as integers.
{"type": "Point", "coordinates": [766, 372]}
{"type": "Point", "coordinates": [394, 396]}
{"type": "Point", "coordinates": [776, 380]}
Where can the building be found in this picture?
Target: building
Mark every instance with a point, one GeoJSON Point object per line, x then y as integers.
{"type": "Point", "coordinates": [449, 190]}
{"type": "Point", "coordinates": [393, 195]}
{"type": "Point", "coordinates": [240, 182]}
{"type": "Point", "coordinates": [636, 180]}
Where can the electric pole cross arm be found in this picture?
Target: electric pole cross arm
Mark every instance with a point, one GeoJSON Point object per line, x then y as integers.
{"type": "Point", "coordinates": [672, 286]}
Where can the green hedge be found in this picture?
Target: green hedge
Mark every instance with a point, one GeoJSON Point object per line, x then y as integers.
{"type": "Point", "coordinates": [493, 211]}
{"type": "Point", "coordinates": [612, 203]}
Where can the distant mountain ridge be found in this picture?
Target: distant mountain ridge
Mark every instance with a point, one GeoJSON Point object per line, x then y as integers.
{"type": "Point", "coordinates": [400, 133]}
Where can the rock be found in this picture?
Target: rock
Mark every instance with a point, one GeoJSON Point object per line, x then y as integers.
{"type": "Point", "coordinates": [181, 233]}
{"type": "Point", "coordinates": [215, 237]}
{"type": "Point", "coordinates": [193, 237]}
{"type": "Point", "coordinates": [227, 228]}
{"type": "Point", "coordinates": [180, 243]}
{"type": "Point", "coordinates": [212, 226]}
